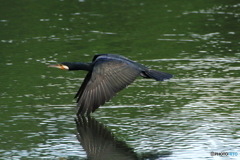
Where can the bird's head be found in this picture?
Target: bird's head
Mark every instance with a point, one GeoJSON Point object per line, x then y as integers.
{"type": "Point", "coordinates": [63, 66]}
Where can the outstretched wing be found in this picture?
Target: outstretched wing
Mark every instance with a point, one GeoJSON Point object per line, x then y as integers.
{"type": "Point", "coordinates": [109, 76]}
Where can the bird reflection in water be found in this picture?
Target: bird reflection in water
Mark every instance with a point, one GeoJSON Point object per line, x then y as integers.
{"type": "Point", "coordinates": [100, 144]}
{"type": "Point", "coordinates": [107, 75]}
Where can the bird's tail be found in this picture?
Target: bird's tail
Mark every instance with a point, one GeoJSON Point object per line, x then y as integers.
{"type": "Point", "coordinates": [158, 75]}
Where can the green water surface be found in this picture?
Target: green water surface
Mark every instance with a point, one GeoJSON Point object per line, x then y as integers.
{"type": "Point", "coordinates": [189, 116]}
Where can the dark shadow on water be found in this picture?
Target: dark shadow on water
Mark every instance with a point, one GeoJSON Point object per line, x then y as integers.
{"type": "Point", "coordinates": [100, 143]}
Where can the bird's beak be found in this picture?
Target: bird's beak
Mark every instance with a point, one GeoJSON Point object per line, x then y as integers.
{"type": "Point", "coordinates": [54, 66]}
{"type": "Point", "coordinates": [60, 66]}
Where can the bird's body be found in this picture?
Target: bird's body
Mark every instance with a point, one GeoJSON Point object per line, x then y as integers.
{"type": "Point", "coordinates": [107, 75]}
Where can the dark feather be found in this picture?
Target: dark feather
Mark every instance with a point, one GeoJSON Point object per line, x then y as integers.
{"type": "Point", "coordinates": [109, 76]}
{"type": "Point", "coordinates": [157, 75]}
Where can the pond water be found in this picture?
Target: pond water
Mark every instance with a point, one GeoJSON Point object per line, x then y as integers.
{"type": "Point", "coordinates": [187, 117]}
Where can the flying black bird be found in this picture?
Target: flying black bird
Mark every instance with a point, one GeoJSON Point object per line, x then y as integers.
{"type": "Point", "coordinates": [107, 75]}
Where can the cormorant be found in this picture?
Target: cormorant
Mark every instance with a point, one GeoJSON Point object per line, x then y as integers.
{"type": "Point", "coordinates": [107, 75]}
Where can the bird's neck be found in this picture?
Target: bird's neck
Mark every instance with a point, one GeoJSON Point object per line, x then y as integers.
{"type": "Point", "coordinates": [82, 66]}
